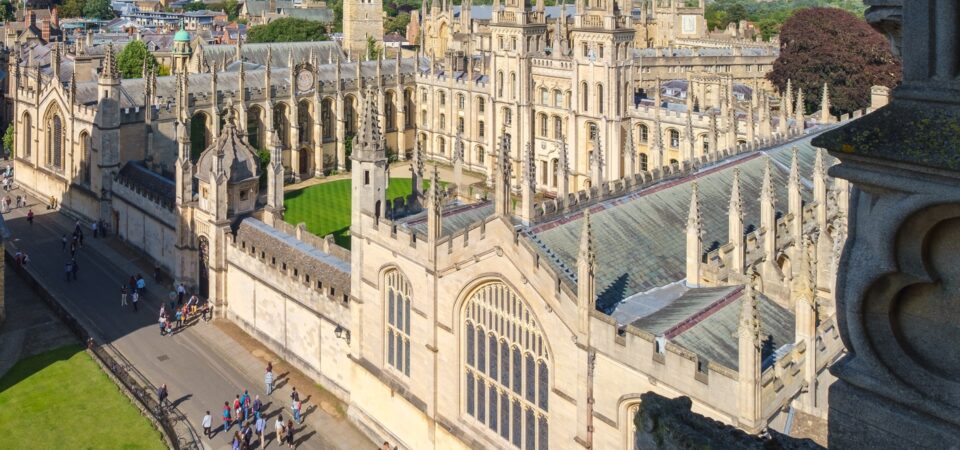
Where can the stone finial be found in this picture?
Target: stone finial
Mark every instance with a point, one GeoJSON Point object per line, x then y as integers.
{"type": "Point", "coordinates": [767, 193]}
{"type": "Point", "coordinates": [736, 202]}
{"type": "Point", "coordinates": [749, 326]}
{"type": "Point", "coordinates": [825, 116]}
{"type": "Point", "coordinates": [586, 272]}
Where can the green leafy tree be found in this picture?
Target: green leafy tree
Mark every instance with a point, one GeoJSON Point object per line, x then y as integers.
{"type": "Point", "coordinates": [130, 60]}
{"type": "Point", "coordinates": [373, 50]}
{"type": "Point", "coordinates": [7, 11]}
{"type": "Point", "coordinates": [98, 9]}
{"type": "Point", "coordinates": [397, 24]}
{"type": "Point", "coordinates": [72, 8]}
{"type": "Point", "coordinates": [8, 139]}
{"type": "Point", "coordinates": [288, 29]}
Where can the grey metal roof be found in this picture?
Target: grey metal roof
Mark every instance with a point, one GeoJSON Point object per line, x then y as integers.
{"type": "Point", "coordinates": [257, 53]}
{"type": "Point", "coordinates": [136, 174]}
{"type": "Point", "coordinates": [455, 217]}
{"type": "Point", "coordinates": [714, 336]}
{"type": "Point", "coordinates": [639, 238]}
{"type": "Point", "coordinates": [485, 12]}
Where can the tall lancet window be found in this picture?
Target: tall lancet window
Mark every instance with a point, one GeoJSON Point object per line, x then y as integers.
{"type": "Point", "coordinates": [55, 142]}
{"type": "Point", "coordinates": [506, 367]}
{"type": "Point", "coordinates": [398, 321]}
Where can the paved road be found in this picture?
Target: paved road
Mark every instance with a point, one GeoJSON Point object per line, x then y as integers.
{"type": "Point", "coordinates": [202, 366]}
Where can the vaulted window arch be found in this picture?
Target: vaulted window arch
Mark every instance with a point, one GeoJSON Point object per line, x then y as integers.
{"type": "Point", "coordinates": [397, 305]}
{"type": "Point", "coordinates": [55, 138]}
{"type": "Point", "coordinates": [506, 367]}
{"type": "Point", "coordinates": [27, 135]}
{"type": "Point", "coordinates": [86, 161]}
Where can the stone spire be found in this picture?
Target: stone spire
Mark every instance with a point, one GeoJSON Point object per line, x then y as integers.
{"type": "Point", "coordinates": [55, 59]}
{"type": "Point", "coordinates": [751, 125]}
{"type": "Point", "coordinates": [764, 117]}
{"type": "Point", "coordinates": [800, 118]}
{"type": "Point", "coordinates": [825, 116]}
{"type": "Point", "coordinates": [768, 219]}
{"type": "Point", "coordinates": [586, 275]}
{"type": "Point", "coordinates": [656, 146]}
{"type": "Point", "coordinates": [804, 298]}
{"type": "Point", "coordinates": [789, 98]}
{"type": "Point", "coordinates": [369, 172]}
{"type": "Point", "coordinates": [783, 127]}
{"type": "Point", "coordinates": [109, 71]}
{"type": "Point", "coordinates": [820, 190]}
{"type": "Point", "coordinates": [368, 143]}
{"type": "Point", "coordinates": [528, 186]}
{"type": "Point", "coordinates": [184, 173]}
{"type": "Point", "coordinates": [689, 141]}
{"type": "Point", "coordinates": [735, 228]}
{"type": "Point", "coordinates": [416, 175]}
{"type": "Point", "coordinates": [656, 99]}
{"type": "Point", "coordinates": [712, 136]}
{"type": "Point", "coordinates": [694, 239]}
{"type": "Point", "coordinates": [434, 207]}
{"type": "Point", "coordinates": [503, 204]}
{"type": "Point", "coordinates": [275, 181]}
{"type": "Point", "coordinates": [563, 182]}
{"type": "Point", "coordinates": [794, 198]}
{"type": "Point", "coordinates": [630, 155]}
{"type": "Point", "coordinates": [749, 360]}
{"type": "Point", "coordinates": [596, 163]}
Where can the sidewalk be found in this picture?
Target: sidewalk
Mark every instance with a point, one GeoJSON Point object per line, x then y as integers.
{"type": "Point", "coordinates": [202, 365]}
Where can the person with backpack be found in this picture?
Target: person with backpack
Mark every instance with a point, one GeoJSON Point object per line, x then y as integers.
{"type": "Point", "coordinates": [257, 405]}
{"type": "Point", "coordinates": [226, 417]}
{"type": "Point", "coordinates": [245, 404]}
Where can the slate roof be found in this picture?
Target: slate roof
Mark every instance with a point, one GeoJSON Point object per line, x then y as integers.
{"type": "Point", "coordinates": [135, 174]}
{"type": "Point", "coordinates": [639, 238]}
{"type": "Point", "coordinates": [680, 309]}
{"type": "Point", "coordinates": [455, 217]}
{"type": "Point", "coordinates": [485, 12]}
{"type": "Point", "coordinates": [713, 335]}
{"type": "Point", "coordinates": [239, 158]}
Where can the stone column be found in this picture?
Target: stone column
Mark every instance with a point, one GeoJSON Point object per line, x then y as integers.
{"type": "Point", "coordinates": [898, 280]}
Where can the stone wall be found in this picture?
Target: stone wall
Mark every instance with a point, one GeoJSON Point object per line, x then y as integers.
{"type": "Point", "coordinates": [145, 224]}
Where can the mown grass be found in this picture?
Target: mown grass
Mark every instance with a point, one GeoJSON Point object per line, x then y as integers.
{"type": "Point", "coordinates": [62, 400]}
{"type": "Point", "coordinates": [325, 208]}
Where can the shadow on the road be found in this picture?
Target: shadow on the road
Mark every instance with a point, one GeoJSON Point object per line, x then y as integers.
{"type": "Point", "coordinates": [180, 400]}
{"type": "Point", "coordinates": [282, 376]}
{"type": "Point", "coordinates": [303, 439]}
{"type": "Point", "coordinates": [279, 384]}
{"type": "Point", "coordinates": [308, 411]}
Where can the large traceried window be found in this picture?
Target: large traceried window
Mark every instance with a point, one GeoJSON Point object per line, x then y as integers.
{"type": "Point", "coordinates": [55, 142]}
{"type": "Point", "coordinates": [398, 321]}
{"type": "Point", "coordinates": [506, 367]}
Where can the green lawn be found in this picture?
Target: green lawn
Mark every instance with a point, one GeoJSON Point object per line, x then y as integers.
{"type": "Point", "coordinates": [325, 208]}
{"type": "Point", "coordinates": [62, 400]}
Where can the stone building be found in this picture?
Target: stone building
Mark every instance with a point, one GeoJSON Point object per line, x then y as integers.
{"type": "Point", "coordinates": [684, 248]}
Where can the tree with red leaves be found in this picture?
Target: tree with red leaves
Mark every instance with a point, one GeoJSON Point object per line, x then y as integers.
{"type": "Point", "coordinates": [832, 46]}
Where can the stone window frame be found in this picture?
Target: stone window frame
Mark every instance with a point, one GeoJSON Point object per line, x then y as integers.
{"type": "Point", "coordinates": [495, 317]}
{"type": "Point", "coordinates": [397, 309]}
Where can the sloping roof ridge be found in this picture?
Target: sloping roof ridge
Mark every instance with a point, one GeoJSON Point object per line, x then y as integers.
{"type": "Point", "coordinates": [703, 314]}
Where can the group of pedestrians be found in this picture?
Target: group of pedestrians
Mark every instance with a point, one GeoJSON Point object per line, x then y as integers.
{"type": "Point", "coordinates": [249, 414]}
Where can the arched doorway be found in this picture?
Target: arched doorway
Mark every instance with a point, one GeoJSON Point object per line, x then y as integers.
{"type": "Point", "coordinates": [306, 160]}
{"type": "Point", "coordinates": [203, 280]}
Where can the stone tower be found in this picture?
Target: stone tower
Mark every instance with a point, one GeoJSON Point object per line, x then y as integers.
{"type": "Point", "coordinates": [369, 164]}
{"type": "Point", "coordinates": [362, 19]}
{"type": "Point", "coordinates": [181, 50]}
{"type": "Point", "coordinates": [106, 130]}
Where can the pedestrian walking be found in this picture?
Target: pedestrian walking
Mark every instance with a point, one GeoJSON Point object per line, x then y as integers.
{"type": "Point", "coordinates": [134, 298]}
{"type": "Point", "coordinates": [93, 227]}
{"type": "Point", "coordinates": [268, 380]}
{"type": "Point", "coordinates": [73, 247]}
{"type": "Point", "coordinates": [181, 292]}
{"type": "Point", "coordinates": [80, 237]}
{"type": "Point", "coordinates": [247, 434]}
{"type": "Point", "coordinates": [257, 405]}
{"type": "Point", "coordinates": [226, 417]}
{"type": "Point", "coordinates": [21, 201]}
{"type": "Point", "coordinates": [295, 396]}
{"type": "Point", "coordinates": [141, 284]}
{"type": "Point", "coordinates": [74, 268]}
{"type": "Point", "coordinates": [245, 404]}
{"type": "Point", "coordinates": [30, 217]}
{"type": "Point", "coordinates": [156, 273]}
{"type": "Point", "coordinates": [290, 433]}
{"type": "Point", "coordinates": [236, 440]}
{"type": "Point", "coordinates": [261, 429]}
{"type": "Point", "coordinates": [296, 411]}
{"type": "Point", "coordinates": [205, 423]}
{"type": "Point", "coordinates": [63, 244]}
{"type": "Point", "coordinates": [161, 398]}
{"type": "Point", "coordinates": [278, 427]}
{"type": "Point", "coordinates": [237, 408]}
{"type": "Point", "coordinates": [123, 295]}
{"type": "Point", "coordinates": [67, 270]}
{"type": "Point", "coordinates": [162, 321]}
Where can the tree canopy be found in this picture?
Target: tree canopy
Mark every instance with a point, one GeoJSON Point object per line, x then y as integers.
{"type": "Point", "coordinates": [768, 15]}
{"type": "Point", "coordinates": [130, 60]}
{"type": "Point", "coordinates": [7, 11]}
{"type": "Point", "coordinates": [98, 9]}
{"type": "Point", "coordinates": [288, 29]}
{"type": "Point", "coordinates": [829, 45]}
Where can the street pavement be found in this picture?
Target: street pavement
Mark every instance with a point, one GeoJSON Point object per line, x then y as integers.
{"type": "Point", "coordinates": [201, 365]}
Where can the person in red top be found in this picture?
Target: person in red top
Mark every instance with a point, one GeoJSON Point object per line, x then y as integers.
{"type": "Point", "coordinates": [30, 217]}
{"type": "Point", "coordinates": [226, 416]}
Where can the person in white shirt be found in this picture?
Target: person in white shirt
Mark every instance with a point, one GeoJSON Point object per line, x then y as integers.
{"type": "Point", "coordinates": [206, 424]}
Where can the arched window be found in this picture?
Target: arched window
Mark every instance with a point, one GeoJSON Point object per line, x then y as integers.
{"type": "Point", "coordinates": [305, 122]}
{"type": "Point", "coordinates": [27, 135]}
{"type": "Point", "coordinates": [408, 109]}
{"type": "Point", "coordinates": [443, 121]}
{"type": "Point", "coordinates": [513, 85]}
{"type": "Point", "coordinates": [506, 367]}
{"type": "Point", "coordinates": [507, 116]}
{"type": "Point", "coordinates": [600, 99]}
{"type": "Point", "coordinates": [592, 131]}
{"type": "Point", "coordinates": [461, 102]}
{"type": "Point", "coordinates": [706, 144]}
{"type": "Point", "coordinates": [674, 138]}
{"type": "Point", "coordinates": [500, 84]}
{"type": "Point", "coordinates": [557, 98]}
{"type": "Point", "coordinates": [281, 123]}
{"type": "Point", "coordinates": [644, 134]}
{"type": "Point", "coordinates": [398, 321]}
{"type": "Point", "coordinates": [480, 155]}
{"type": "Point", "coordinates": [544, 126]}
{"type": "Point", "coordinates": [544, 97]}
{"type": "Point", "coordinates": [255, 128]}
{"type": "Point", "coordinates": [441, 146]}
{"type": "Point", "coordinates": [326, 116]}
{"type": "Point", "coordinates": [350, 115]}
{"type": "Point", "coordinates": [643, 162]}
{"type": "Point", "coordinates": [481, 105]}
{"type": "Point", "coordinates": [557, 127]}
{"type": "Point", "coordinates": [585, 92]}
{"type": "Point", "coordinates": [481, 129]}
{"type": "Point", "coordinates": [55, 142]}
{"type": "Point", "coordinates": [675, 163]}
{"type": "Point", "coordinates": [389, 112]}
{"type": "Point", "coordinates": [460, 125]}
{"type": "Point", "coordinates": [443, 98]}
{"type": "Point", "coordinates": [554, 170]}
{"type": "Point", "coordinates": [86, 162]}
